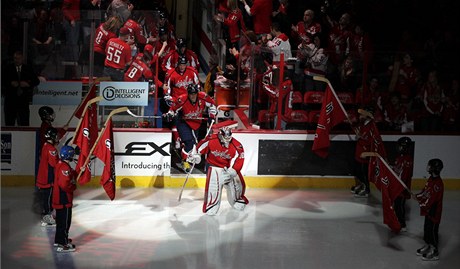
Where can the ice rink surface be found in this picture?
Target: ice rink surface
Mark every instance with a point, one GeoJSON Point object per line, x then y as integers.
{"type": "Point", "coordinates": [149, 228]}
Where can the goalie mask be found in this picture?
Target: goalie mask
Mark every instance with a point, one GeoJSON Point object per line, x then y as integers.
{"type": "Point", "coordinates": [225, 136]}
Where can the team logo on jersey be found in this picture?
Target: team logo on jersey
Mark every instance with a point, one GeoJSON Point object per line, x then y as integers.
{"type": "Point", "coordinates": [221, 154]}
{"type": "Point", "coordinates": [436, 188]}
{"type": "Point", "coordinates": [53, 152]}
{"type": "Point", "coordinates": [385, 181]}
{"type": "Point", "coordinates": [66, 173]}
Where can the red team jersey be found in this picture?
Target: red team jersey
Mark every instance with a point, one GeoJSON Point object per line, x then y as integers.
{"type": "Point", "coordinates": [171, 59]}
{"type": "Point", "coordinates": [64, 186]}
{"type": "Point", "coordinates": [403, 167]}
{"type": "Point", "coordinates": [235, 24]}
{"type": "Point", "coordinates": [136, 31]}
{"type": "Point", "coordinates": [177, 82]}
{"type": "Point", "coordinates": [138, 71]}
{"type": "Point", "coordinates": [48, 160]}
{"type": "Point", "coordinates": [117, 53]}
{"type": "Point", "coordinates": [430, 199]}
{"type": "Point", "coordinates": [220, 156]}
{"type": "Point", "coordinates": [101, 38]}
{"type": "Point", "coordinates": [195, 110]}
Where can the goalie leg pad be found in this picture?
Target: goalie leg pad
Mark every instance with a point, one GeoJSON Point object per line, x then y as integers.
{"type": "Point", "coordinates": [213, 190]}
{"type": "Point", "coordinates": [235, 193]}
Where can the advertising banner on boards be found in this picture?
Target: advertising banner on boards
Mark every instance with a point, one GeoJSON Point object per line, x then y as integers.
{"type": "Point", "coordinates": [124, 93]}
{"type": "Point", "coordinates": [65, 93]}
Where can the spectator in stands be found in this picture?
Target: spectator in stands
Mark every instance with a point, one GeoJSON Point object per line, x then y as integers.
{"type": "Point", "coordinates": [171, 59]}
{"type": "Point", "coordinates": [18, 82]}
{"type": "Point", "coordinates": [261, 13]}
{"type": "Point", "coordinates": [395, 113]}
{"type": "Point", "coordinates": [234, 22]}
{"type": "Point", "coordinates": [276, 43]}
{"type": "Point", "coordinates": [117, 56]}
{"type": "Point", "coordinates": [451, 115]}
{"type": "Point", "coordinates": [72, 27]}
{"type": "Point", "coordinates": [42, 40]}
{"type": "Point", "coordinates": [303, 31]}
{"type": "Point", "coordinates": [339, 39]}
{"type": "Point", "coordinates": [371, 94]}
{"type": "Point", "coordinates": [314, 60]}
{"type": "Point", "coordinates": [348, 75]}
{"type": "Point", "coordinates": [103, 34]}
{"type": "Point", "coordinates": [281, 16]}
{"type": "Point", "coordinates": [432, 96]}
{"type": "Point", "coordinates": [361, 48]}
{"type": "Point", "coordinates": [404, 77]}
{"type": "Point", "coordinates": [120, 8]}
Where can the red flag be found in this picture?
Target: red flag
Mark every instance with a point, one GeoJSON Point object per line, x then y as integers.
{"type": "Point", "coordinates": [85, 136]}
{"type": "Point", "coordinates": [387, 182]}
{"type": "Point", "coordinates": [332, 113]}
{"type": "Point", "coordinates": [90, 95]}
{"type": "Point", "coordinates": [104, 152]}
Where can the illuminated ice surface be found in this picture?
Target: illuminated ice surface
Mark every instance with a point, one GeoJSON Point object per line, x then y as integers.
{"type": "Point", "coordinates": [149, 228]}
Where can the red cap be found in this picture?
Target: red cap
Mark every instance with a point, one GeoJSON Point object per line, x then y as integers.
{"type": "Point", "coordinates": [124, 31]}
{"type": "Point", "coordinates": [148, 49]}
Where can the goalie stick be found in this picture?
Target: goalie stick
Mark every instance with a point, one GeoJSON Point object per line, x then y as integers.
{"type": "Point", "coordinates": [193, 166]}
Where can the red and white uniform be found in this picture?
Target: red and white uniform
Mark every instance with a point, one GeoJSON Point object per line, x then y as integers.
{"type": "Point", "coordinates": [101, 38]}
{"type": "Point", "coordinates": [48, 160]}
{"type": "Point", "coordinates": [136, 31]}
{"type": "Point", "coordinates": [171, 59]}
{"type": "Point", "coordinates": [222, 159]}
{"type": "Point", "coordinates": [64, 186]}
{"type": "Point", "coordinates": [117, 54]}
{"type": "Point", "coordinates": [278, 45]}
{"type": "Point", "coordinates": [177, 82]}
{"type": "Point", "coordinates": [304, 31]}
{"type": "Point", "coordinates": [404, 167]}
{"type": "Point", "coordinates": [138, 71]}
{"type": "Point", "coordinates": [190, 110]}
{"type": "Point", "coordinates": [235, 24]}
{"type": "Point", "coordinates": [369, 141]}
{"type": "Point", "coordinates": [430, 199]}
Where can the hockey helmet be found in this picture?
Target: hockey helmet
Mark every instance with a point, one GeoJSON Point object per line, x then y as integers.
{"type": "Point", "coordinates": [225, 135]}
{"type": "Point", "coordinates": [162, 15]}
{"type": "Point", "coordinates": [148, 49]}
{"type": "Point", "coordinates": [46, 113]}
{"type": "Point", "coordinates": [367, 112]}
{"type": "Point", "coordinates": [51, 134]}
{"type": "Point", "coordinates": [404, 144]}
{"type": "Point", "coordinates": [182, 60]}
{"type": "Point", "coordinates": [181, 43]}
{"type": "Point", "coordinates": [67, 153]}
{"type": "Point", "coordinates": [192, 89]}
{"type": "Point", "coordinates": [435, 166]}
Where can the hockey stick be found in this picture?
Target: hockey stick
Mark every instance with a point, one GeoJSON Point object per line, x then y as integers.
{"type": "Point", "coordinates": [139, 116]}
{"type": "Point", "coordinates": [193, 166]}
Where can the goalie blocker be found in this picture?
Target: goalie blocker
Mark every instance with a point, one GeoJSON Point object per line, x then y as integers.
{"type": "Point", "coordinates": [224, 160]}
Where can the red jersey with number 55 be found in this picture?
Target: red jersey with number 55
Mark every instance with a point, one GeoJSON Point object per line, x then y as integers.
{"type": "Point", "coordinates": [101, 38]}
{"type": "Point", "coordinates": [117, 54]}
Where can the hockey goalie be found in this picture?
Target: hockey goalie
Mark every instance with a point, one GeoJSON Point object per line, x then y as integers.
{"type": "Point", "coordinates": [224, 160]}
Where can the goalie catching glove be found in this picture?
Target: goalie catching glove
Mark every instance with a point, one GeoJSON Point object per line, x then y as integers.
{"type": "Point", "coordinates": [194, 158]}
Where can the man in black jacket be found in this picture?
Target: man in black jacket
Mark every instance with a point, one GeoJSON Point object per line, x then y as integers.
{"type": "Point", "coordinates": [18, 82]}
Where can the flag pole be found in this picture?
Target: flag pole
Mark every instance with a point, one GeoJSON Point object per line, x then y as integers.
{"type": "Point", "coordinates": [375, 154]}
{"type": "Point", "coordinates": [115, 111]}
{"type": "Point", "coordinates": [90, 102]}
{"type": "Point", "coordinates": [81, 103]}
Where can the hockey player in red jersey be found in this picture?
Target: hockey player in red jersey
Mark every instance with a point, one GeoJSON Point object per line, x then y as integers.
{"type": "Point", "coordinates": [224, 158]}
{"type": "Point", "coordinates": [430, 200]}
{"type": "Point", "coordinates": [171, 59]}
{"type": "Point", "coordinates": [190, 108]}
{"type": "Point", "coordinates": [65, 185]}
{"type": "Point", "coordinates": [139, 70]}
{"type": "Point", "coordinates": [45, 177]}
{"type": "Point", "coordinates": [178, 79]}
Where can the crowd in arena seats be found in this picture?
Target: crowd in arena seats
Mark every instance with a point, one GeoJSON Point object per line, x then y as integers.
{"type": "Point", "coordinates": [400, 58]}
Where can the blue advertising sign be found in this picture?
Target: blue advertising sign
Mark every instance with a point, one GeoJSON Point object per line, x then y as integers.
{"type": "Point", "coordinates": [6, 151]}
{"type": "Point", "coordinates": [124, 93]}
{"type": "Point", "coordinates": [58, 93]}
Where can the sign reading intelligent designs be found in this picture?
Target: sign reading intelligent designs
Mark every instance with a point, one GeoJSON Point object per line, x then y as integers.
{"type": "Point", "coordinates": [124, 93]}
{"type": "Point", "coordinates": [58, 93]}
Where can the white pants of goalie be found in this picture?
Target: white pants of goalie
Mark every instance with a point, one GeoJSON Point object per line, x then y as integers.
{"type": "Point", "coordinates": [216, 179]}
